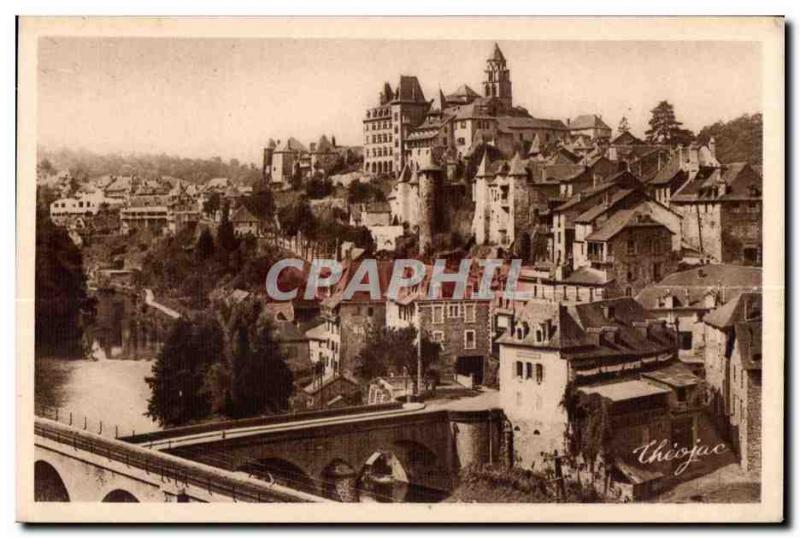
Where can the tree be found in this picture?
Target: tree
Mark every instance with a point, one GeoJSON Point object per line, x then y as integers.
{"type": "Point", "coordinates": [60, 290]}
{"type": "Point", "coordinates": [213, 203]}
{"type": "Point", "coordinates": [665, 128]}
{"type": "Point", "coordinates": [358, 192]}
{"type": "Point", "coordinates": [623, 127]}
{"type": "Point", "coordinates": [45, 168]}
{"type": "Point", "coordinates": [390, 350]}
{"type": "Point", "coordinates": [297, 217]}
{"type": "Point", "coordinates": [318, 187]}
{"type": "Point", "coordinates": [261, 380]}
{"type": "Point", "coordinates": [590, 434]}
{"type": "Point", "coordinates": [226, 238]}
{"type": "Point", "coordinates": [739, 140]}
{"type": "Point", "coordinates": [204, 248]}
{"type": "Point", "coordinates": [178, 393]}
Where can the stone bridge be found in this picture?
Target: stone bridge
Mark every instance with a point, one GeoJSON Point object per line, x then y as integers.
{"type": "Point", "coordinates": [79, 466]}
{"type": "Point", "coordinates": [345, 457]}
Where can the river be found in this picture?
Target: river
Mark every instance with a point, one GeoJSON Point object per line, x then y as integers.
{"type": "Point", "coordinates": [111, 391]}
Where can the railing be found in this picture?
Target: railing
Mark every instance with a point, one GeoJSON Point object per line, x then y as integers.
{"type": "Point", "coordinates": [257, 421]}
{"type": "Point", "coordinates": [170, 467]}
{"type": "Point", "coordinates": [82, 422]}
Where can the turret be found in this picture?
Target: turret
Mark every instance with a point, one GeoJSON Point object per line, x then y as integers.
{"type": "Point", "coordinates": [427, 175]}
{"type": "Point", "coordinates": [498, 77]}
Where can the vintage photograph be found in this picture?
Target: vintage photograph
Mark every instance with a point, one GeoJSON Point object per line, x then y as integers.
{"type": "Point", "coordinates": [399, 270]}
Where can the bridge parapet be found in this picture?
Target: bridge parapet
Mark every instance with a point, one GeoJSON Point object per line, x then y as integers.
{"type": "Point", "coordinates": [228, 425]}
{"type": "Point", "coordinates": [177, 478]}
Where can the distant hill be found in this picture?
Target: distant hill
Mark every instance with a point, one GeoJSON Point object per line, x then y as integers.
{"type": "Point", "coordinates": [86, 164]}
{"type": "Point", "coordinates": [738, 140]}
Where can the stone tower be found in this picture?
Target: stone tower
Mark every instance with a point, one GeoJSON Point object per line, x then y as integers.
{"type": "Point", "coordinates": [498, 77]}
{"type": "Point", "coordinates": [480, 223]}
{"type": "Point", "coordinates": [427, 176]}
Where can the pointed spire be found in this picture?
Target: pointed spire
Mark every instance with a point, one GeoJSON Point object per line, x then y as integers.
{"type": "Point", "coordinates": [483, 168]}
{"type": "Point", "coordinates": [535, 145]}
{"type": "Point", "coordinates": [442, 101]}
{"type": "Point", "coordinates": [497, 54]}
{"type": "Point", "coordinates": [405, 173]}
{"type": "Point", "coordinates": [517, 167]}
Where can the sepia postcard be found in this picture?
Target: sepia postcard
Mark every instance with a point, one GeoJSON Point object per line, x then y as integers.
{"type": "Point", "coordinates": [452, 269]}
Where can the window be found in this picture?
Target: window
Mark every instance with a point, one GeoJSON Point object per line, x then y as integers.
{"type": "Point", "coordinates": [369, 311]}
{"type": "Point", "coordinates": [453, 311]}
{"type": "Point", "coordinates": [437, 336]}
{"type": "Point", "coordinates": [469, 340]}
{"type": "Point", "coordinates": [631, 247]}
{"type": "Point", "coordinates": [438, 314]}
{"type": "Point", "coordinates": [469, 313]}
{"type": "Point", "coordinates": [528, 370]}
{"type": "Point", "coordinates": [680, 393]}
{"type": "Point", "coordinates": [539, 374]}
{"type": "Point", "coordinates": [686, 339]}
{"type": "Point", "coordinates": [519, 369]}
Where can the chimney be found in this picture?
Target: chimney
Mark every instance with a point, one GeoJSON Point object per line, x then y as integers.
{"type": "Point", "coordinates": [712, 147]}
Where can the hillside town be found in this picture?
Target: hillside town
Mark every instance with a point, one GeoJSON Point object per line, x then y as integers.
{"type": "Point", "coordinates": [640, 257]}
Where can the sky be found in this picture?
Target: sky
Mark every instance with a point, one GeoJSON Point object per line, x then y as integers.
{"type": "Point", "coordinates": [226, 97]}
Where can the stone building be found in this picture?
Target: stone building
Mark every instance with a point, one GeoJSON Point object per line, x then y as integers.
{"type": "Point", "coordinates": [285, 161]}
{"type": "Point", "coordinates": [451, 125]}
{"type": "Point", "coordinates": [563, 215]}
{"type": "Point", "coordinates": [462, 326]}
{"type": "Point", "coordinates": [590, 125]}
{"type": "Point", "coordinates": [633, 249]}
{"type": "Point", "coordinates": [605, 347]}
{"type": "Point", "coordinates": [684, 298]}
{"type": "Point", "coordinates": [733, 373]}
{"type": "Point", "coordinates": [386, 126]}
{"type": "Point", "coordinates": [722, 213]}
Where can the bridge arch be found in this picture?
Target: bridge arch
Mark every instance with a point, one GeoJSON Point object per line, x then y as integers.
{"type": "Point", "coordinates": [120, 496]}
{"type": "Point", "coordinates": [48, 486]}
{"type": "Point", "coordinates": [339, 481]}
{"type": "Point", "coordinates": [280, 470]}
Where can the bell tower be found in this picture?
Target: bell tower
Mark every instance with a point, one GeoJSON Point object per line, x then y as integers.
{"type": "Point", "coordinates": [498, 77]}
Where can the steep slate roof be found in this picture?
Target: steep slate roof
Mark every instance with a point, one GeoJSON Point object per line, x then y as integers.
{"type": "Point", "coordinates": [291, 145]}
{"type": "Point", "coordinates": [733, 312]}
{"type": "Point", "coordinates": [242, 214]}
{"type": "Point", "coordinates": [461, 93]}
{"type": "Point", "coordinates": [587, 275]}
{"type": "Point", "coordinates": [588, 121]}
{"type": "Point", "coordinates": [315, 387]}
{"type": "Point", "coordinates": [671, 171]}
{"type": "Point", "coordinates": [595, 211]}
{"type": "Point", "coordinates": [497, 54]}
{"type": "Point", "coordinates": [409, 90]}
{"type": "Point", "coordinates": [528, 122]}
{"type": "Point", "coordinates": [573, 324]}
{"type": "Point", "coordinates": [738, 177]}
{"type": "Point", "coordinates": [691, 287]}
{"type": "Point", "coordinates": [626, 139]}
{"type": "Point", "coordinates": [625, 218]}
